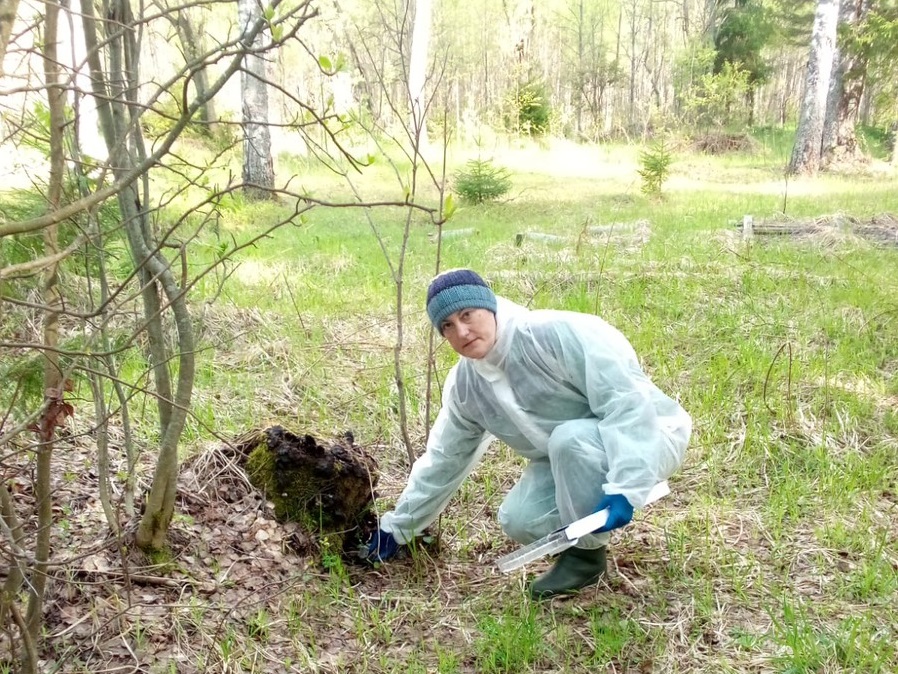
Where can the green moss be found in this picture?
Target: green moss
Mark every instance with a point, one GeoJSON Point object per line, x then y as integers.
{"type": "Point", "coordinates": [260, 467]}
{"type": "Point", "coordinates": [292, 492]}
{"type": "Point", "coordinates": [326, 489]}
{"type": "Point", "coordinates": [161, 558]}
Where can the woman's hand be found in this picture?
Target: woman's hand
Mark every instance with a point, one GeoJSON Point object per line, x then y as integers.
{"type": "Point", "coordinates": [382, 547]}
{"type": "Point", "coordinates": [620, 512]}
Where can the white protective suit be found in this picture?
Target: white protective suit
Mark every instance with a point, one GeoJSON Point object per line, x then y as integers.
{"type": "Point", "coordinates": [566, 391]}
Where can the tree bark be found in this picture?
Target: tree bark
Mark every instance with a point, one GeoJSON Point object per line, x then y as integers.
{"type": "Point", "coordinates": [54, 410]}
{"type": "Point", "coordinates": [845, 94]}
{"type": "Point", "coordinates": [258, 166]}
{"type": "Point", "coordinates": [192, 47]}
{"type": "Point", "coordinates": [8, 9]}
{"type": "Point", "coordinates": [895, 143]}
{"type": "Point", "coordinates": [158, 277]}
{"type": "Point", "coordinates": [121, 130]}
{"type": "Point", "coordinates": [806, 153]}
{"type": "Point", "coordinates": [631, 106]}
{"type": "Point", "coordinates": [417, 73]}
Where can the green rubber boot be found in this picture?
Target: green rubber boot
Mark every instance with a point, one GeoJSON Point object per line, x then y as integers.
{"type": "Point", "coordinates": [575, 568]}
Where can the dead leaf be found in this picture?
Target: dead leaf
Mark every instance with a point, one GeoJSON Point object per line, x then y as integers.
{"type": "Point", "coordinates": [95, 564]}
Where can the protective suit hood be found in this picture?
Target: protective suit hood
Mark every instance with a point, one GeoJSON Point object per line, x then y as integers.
{"type": "Point", "coordinates": [508, 316]}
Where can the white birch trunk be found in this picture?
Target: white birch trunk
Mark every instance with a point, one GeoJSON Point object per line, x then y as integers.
{"type": "Point", "coordinates": [845, 93]}
{"type": "Point", "coordinates": [73, 57]}
{"type": "Point", "coordinates": [417, 72]}
{"type": "Point", "coordinates": [258, 167]}
{"type": "Point", "coordinates": [807, 150]}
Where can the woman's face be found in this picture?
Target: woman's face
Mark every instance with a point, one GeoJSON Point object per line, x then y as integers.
{"type": "Point", "coordinates": [471, 332]}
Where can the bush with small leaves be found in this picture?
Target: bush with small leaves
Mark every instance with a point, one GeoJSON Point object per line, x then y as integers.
{"type": "Point", "coordinates": [531, 113]}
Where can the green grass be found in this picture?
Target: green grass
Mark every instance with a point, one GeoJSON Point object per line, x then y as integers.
{"type": "Point", "coordinates": [511, 642]}
{"type": "Point", "coordinates": [776, 551]}
{"type": "Point", "coordinates": [777, 547]}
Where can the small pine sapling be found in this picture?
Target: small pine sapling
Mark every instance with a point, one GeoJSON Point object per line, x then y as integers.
{"type": "Point", "coordinates": [481, 181]}
{"type": "Point", "coordinates": [655, 167]}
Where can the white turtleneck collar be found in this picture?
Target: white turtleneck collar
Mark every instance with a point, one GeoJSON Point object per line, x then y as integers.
{"type": "Point", "coordinates": [508, 314]}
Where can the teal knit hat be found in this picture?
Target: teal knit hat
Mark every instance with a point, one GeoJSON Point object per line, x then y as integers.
{"type": "Point", "coordinates": [454, 290]}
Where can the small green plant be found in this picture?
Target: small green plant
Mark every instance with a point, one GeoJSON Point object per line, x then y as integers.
{"type": "Point", "coordinates": [332, 561]}
{"type": "Point", "coordinates": [227, 646]}
{"type": "Point", "coordinates": [805, 647]}
{"type": "Point", "coordinates": [139, 632]}
{"type": "Point", "coordinates": [448, 662]}
{"type": "Point", "coordinates": [655, 167]}
{"type": "Point", "coordinates": [258, 625]}
{"type": "Point", "coordinates": [857, 650]}
{"type": "Point", "coordinates": [481, 181]}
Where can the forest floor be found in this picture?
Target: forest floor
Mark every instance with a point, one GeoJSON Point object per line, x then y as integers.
{"type": "Point", "coordinates": [235, 581]}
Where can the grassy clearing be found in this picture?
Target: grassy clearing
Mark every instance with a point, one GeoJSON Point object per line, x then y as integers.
{"type": "Point", "coordinates": [776, 551]}
{"type": "Point", "coordinates": [777, 548]}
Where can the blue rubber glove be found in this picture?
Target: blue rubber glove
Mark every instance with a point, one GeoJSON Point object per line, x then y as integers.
{"type": "Point", "coordinates": [620, 512]}
{"type": "Point", "coordinates": [382, 547]}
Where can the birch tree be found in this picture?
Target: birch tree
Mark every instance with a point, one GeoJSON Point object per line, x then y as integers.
{"type": "Point", "coordinates": [807, 151]}
{"type": "Point", "coordinates": [258, 165]}
{"type": "Point", "coordinates": [846, 90]}
{"type": "Point", "coordinates": [417, 71]}
{"type": "Point", "coordinates": [589, 65]}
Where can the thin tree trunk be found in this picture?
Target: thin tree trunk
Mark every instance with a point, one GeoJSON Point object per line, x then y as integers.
{"type": "Point", "coordinates": [85, 131]}
{"type": "Point", "coordinates": [631, 108]}
{"type": "Point", "coordinates": [895, 142]}
{"type": "Point", "coordinates": [117, 134]}
{"type": "Point", "coordinates": [401, 393]}
{"type": "Point", "coordinates": [192, 46]}
{"type": "Point", "coordinates": [54, 407]}
{"type": "Point", "coordinates": [581, 75]}
{"type": "Point", "coordinates": [806, 153]}
{"type": "Point", "coordinates": [486, 71]}
{"type": "Point", "coordinates": [417, 73]}
{"type": "Point", "coordinates": [788, 88]}
{"type": "Point", "coordinates": [711, 22]}
{"type": "Point", "coordinates": [258, 165]}
{"type": "Point", "coordinates": [9, 595]}
{"type": "Point", "coordinates": [121, 131]}
{"type": "Point", "coordinates": [160, 502]}
{"type": "Point", "coordinates": [8, 9]}
{"type": "Point", "coordinates": [101, 412]}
